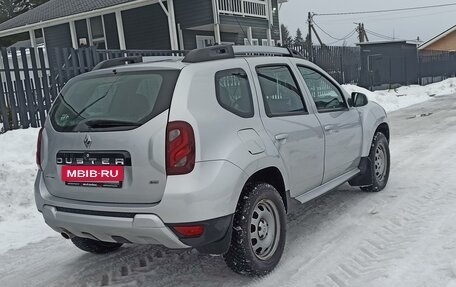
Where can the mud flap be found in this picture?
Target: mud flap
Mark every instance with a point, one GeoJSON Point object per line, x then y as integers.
{"type": "Point", "coordinates": [365, 177]}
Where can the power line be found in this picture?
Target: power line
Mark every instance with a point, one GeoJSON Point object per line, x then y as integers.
{"type": "Point", "coordinates": [382, 17]}
{"type": "Point", "coordinates": [345, 38]}
{"type": "Point", "coordinates": [385, 11]}
{"type": "Point", "coordinates": [332, 37]}
{"type": "Point", "coordinates": [379, 35]}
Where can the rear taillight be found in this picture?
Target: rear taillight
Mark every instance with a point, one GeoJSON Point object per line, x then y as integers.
{"type": "Point", "coordinates": [189, 231]}
{"type": "Point", "coordinates": [38, 148]}
{"type": "Point", "coordinates": [180, 148]}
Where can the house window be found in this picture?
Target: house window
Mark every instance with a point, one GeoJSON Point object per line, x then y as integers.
{"type": "Point", "coordinates": [204, 41]}
{"type": "Point", "coordinates": [255, 42]}
{"type": "Point", "coordinates": [264, 42]}
{"type": "Point", "coordinates": [97, 32]}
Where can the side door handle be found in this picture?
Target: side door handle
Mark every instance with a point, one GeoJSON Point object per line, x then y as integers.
{"type": "Point", "coordinates": [331, 129]}
{"type": "Point", "coordinates": [281, 137]}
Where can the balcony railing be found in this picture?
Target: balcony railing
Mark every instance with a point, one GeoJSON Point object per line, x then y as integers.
{"type": "Point", "coordinates": [252, 8]}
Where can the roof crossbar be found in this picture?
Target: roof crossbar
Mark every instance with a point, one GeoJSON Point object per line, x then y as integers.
{"type": "Point", "coordinates": [229, 51]}
{"type": "Point", "coordinates": [118, 62]}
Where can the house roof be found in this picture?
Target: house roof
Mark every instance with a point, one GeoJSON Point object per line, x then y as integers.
{"type": "Point", "coordinates": [409, 42]}
{"type": "Point", "coordinates": [55, 9]}
{"type": "Point", "coordinates": [437, 38]}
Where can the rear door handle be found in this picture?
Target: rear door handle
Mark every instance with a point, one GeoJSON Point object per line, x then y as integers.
{"type": "Point", "coordinates": [281, 137]}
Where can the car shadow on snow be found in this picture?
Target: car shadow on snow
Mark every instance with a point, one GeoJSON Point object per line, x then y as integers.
{"type": "Point", "coordinates": [135, 265]}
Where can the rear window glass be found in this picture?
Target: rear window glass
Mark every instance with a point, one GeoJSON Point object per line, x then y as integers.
{"type": "Point", "coordinates": [113, 101]}
{"type": "Point", "coordinates": [234, 93]}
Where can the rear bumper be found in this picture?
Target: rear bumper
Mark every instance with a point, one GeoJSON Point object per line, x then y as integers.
{"type": "Point", "coordinates": [208, 196]}
{"type": "Point", "coordinates": [141, 229]}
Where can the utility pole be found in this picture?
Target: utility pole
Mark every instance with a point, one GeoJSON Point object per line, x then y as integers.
{"type": "Point", "coordinates": [362, 35]}
{"type": "Point", "coordinates": [309, 37]}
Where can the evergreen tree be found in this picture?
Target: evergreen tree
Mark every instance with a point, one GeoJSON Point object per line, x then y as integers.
{"type": "Point", "coordinates": [7, 8]}
{"type": "Point", "coordinates": [286, 37]}
{"type": "Point", "coordinates": [298, 40]}
{"type": "Point", "coordinates": [11, 8]}
{"type": "Point", "coordinates": [22, 6]}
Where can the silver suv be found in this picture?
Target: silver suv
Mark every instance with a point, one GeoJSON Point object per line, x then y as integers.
{"type": "Point", "coordinates": [203, 152]}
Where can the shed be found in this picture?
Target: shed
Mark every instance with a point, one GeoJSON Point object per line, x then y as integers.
{"type": "Point", "coordinates": [392, 62]}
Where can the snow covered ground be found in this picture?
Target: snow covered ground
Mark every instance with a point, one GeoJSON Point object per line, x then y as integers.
{"type": "Point", "coordinates": [406, 96]}
{"type": "Point", "coordinates": [404, 236]}
{"type": "Point", "coordinates": [20, 223]}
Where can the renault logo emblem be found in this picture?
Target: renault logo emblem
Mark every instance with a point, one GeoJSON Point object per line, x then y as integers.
{"type": "Point", "coordinates": [87, 141]}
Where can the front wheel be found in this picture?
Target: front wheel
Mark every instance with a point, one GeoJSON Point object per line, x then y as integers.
{"type": "Point", "coordinates": [259, 231]}
{"type": "Point", "coordinates": [380, 168]}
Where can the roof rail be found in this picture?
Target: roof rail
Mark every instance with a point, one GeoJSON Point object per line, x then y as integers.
{"type": "Point", "coordinates": [229, 51]}
{"type": "Point", "coordinates": [261, 51]}
{"type": "Point", "coordinates": [210, 54]}
{"type": "Point", "coordinates": [118, 62]}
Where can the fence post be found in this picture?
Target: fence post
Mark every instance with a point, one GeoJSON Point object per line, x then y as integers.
{"type": "Point", "coordinates": [9, 84]}
{"type": "Point", "coordinates": [342, 76]}
{"type": "Point", "coordinates": [3, 107]}
{"type": "Point", "coordinates": [390, 73]}
{"type": "Point", "coordinates": [44, 79]}
{"type": "Point", "coordinates": [28, 89]}
{"type": "Point", "coordinates": [420, 79]}
{"type": "Point", "coordinates": [19, 91]}
{"type": "Point", "coordinates": [38, 89]}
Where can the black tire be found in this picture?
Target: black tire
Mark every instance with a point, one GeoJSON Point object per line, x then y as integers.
{"type": "Point", "coordinates": [260, 205]}
{"type": "Point", "coordinates": [379, 170]}
{"type": "Point", "coordinates": [94, 246]}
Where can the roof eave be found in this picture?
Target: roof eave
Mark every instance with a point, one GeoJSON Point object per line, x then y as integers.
{"type": "Point", "coordinates": [75, 17]}
{"type": "Point", "coordinates": [437, 38]}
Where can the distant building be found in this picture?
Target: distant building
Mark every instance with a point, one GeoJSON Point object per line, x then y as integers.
{"type": "Point", "coordinates": [446, 41]}
{"type": "Point", "coordinates": [148, 24]}
{"type": "Point", "coordinates": [388, 64]}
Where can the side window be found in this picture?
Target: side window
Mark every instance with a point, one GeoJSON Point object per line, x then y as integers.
{"type": "Point", "coordinates": [234, 93]}
{"type": "Point", "coordinates": [281, 94]}
{"type": "Point", "coordinates": [326, 95]}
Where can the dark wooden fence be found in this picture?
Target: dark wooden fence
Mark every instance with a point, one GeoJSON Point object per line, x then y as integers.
{"type": "Point", "coordinates": [436, 66]}
{"type": "Point", "coordinates": [342, 63]}
{"type": "Point", "coordinates": [30, 79]}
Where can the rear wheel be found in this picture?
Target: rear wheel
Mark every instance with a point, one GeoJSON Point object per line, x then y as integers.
{"type": "Point", "coordinates": [259, 231]}
{"type": "Point", "coordinates": [380, 158]}
{"type": "Point", "coordinates": [94, 246]}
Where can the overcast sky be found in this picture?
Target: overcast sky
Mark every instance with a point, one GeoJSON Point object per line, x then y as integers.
{"type": "Point", "coordinates": [403, 25]}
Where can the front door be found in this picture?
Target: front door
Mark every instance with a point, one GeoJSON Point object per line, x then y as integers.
{"type": "Point", "coordinates": [296, 133]}
{"type": "Point", "coordinates": [341, 124]}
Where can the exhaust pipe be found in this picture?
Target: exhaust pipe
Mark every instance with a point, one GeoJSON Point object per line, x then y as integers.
{"type": "Point", "coordinates": [67, 235]}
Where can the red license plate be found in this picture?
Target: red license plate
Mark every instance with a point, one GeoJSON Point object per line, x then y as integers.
{"type": "Point", "coordinates": [92, 174]}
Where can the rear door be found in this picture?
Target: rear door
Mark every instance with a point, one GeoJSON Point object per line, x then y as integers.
{"type": "Point", "coordinates": [295, 131]}
{"type": "Point", "coordinates": [341, 123]}
{"type": "Point", "coordinates": [105, 141]}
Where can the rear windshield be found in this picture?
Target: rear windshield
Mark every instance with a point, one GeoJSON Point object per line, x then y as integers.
{"type": "Point", "coordinates": [113, 101]}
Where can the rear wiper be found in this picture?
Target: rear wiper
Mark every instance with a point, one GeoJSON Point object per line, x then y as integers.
{"type": "Point", "coordinates": [110, 124]}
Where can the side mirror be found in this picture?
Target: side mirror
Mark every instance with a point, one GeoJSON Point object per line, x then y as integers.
{"type": "Point", "coordinates": [358, 100]}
